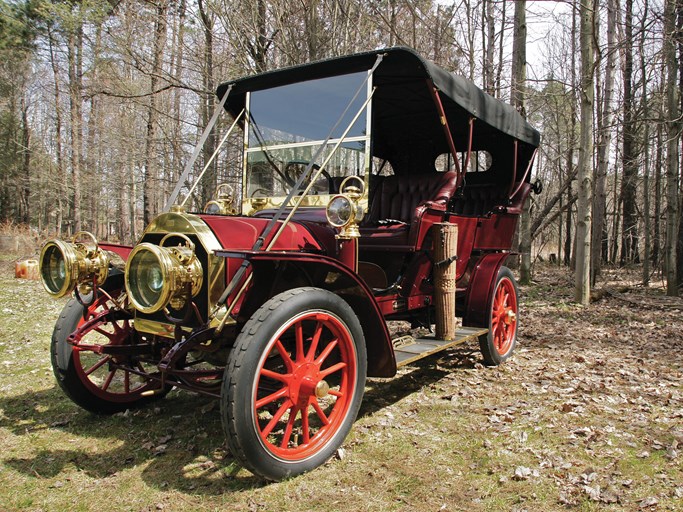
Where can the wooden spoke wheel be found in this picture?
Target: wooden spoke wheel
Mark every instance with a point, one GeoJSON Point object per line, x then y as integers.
{"type": "Point", "coordinates": [501, 339]}
{"type": "Point", "coordinates": [294, 383]}
{"type": "Point", "coordinates": [100, 383]}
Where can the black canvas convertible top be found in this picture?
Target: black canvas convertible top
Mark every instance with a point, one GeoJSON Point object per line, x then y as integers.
{"type": "Point", "coordinates": [404, 111]}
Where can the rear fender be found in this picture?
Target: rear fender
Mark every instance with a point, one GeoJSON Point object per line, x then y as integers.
{"type": "Point", "coordinates": [329, 274]}
{"type": "Point", "coordinates": [480, 288]}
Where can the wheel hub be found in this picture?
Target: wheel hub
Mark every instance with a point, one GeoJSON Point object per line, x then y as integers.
{"type": "Point", "coordinates": [510, 317]}
{"type": "Point", "coordinates": [321, 389]}
{"type": "Point", "coordinates": [305, 383]}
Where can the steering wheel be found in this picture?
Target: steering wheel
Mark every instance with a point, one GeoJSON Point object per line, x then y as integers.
{"type": "Point", "coordinates": [262, 192]}
{"type": "Point", "coordinates": [294, 169]}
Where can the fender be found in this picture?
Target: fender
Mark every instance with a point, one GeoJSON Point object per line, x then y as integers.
{"type": "Point", "coordinates": [122, 250]}
{"type": "Point", "coordinates": [329, 274]}
{"type": "Point", "coordinates": [480, 288]}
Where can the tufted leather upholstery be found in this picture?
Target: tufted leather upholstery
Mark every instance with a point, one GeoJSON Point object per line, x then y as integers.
{"type": "Point", "coordinates": [404, 199]}
{"type": "Point", "coordinates": [477, 200]}
{"type": "Point", "coordinates": [400, 197]}
{"type": "Point", "coordinates": [480, 200]}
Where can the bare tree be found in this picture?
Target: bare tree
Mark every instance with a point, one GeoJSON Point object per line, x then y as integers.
{"type": "Point", "coordinates": [518, 95]}
{"type": "Point", "coordinates": [585, 174]}
{"type": "Point", "coordinates": [605, 129]}
{"type": "Point", "coordinates": [673, 136]}
{"type": "Point", "coordinates": [150, 178]}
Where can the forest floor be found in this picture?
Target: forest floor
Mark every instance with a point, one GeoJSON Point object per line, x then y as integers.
{"type": "Point", "coordinates": [587, 415]}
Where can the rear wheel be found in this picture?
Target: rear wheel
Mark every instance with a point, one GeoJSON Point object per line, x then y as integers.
{"type": "Point", "coordinates": [294, 383]}
{"type": "Point", "coordinates": [100, 383]}
{"type": "Point", "coordinates": [499, 343]}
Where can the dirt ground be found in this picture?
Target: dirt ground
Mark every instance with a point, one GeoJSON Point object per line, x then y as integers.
{"type": "Point", "coordinates": [588, 415]}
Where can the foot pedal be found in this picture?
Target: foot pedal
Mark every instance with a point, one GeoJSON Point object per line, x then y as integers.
{"type": "Point", "coordinates": [402, 341]}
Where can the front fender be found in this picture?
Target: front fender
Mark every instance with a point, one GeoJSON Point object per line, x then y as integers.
{"type": "Point", "coordinates": [329, 274]}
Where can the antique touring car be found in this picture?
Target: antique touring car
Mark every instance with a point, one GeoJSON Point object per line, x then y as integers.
{"type": "Point", "coordinates": [375, 187]}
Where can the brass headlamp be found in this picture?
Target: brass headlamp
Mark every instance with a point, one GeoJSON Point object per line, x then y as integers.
{"type": "Point", "coordinates": [65, 265]}
{"type": "Point", "coordinates": [344, 211]}
{"type": "Point", "coordinates": [158, 276]}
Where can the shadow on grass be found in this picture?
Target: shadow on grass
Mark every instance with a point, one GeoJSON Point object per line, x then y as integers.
{"type": "Point", "coordinates": [424, 372]}
{"type": "Point", "coordinates": [178, 441]}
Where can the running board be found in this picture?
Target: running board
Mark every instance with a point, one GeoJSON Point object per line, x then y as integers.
{"type": "Point", "coordinates": [408, 349]}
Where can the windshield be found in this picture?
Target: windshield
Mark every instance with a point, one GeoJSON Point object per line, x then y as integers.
{"type": "Point", "coordinates": [286, 128]}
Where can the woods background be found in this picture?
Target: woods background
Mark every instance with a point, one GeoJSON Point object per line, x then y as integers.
{"type": "Point", "coordinates": [101, 104]}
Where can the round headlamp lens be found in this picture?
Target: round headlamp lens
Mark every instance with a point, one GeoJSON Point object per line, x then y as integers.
{"type": "Point", "coordinates": [145, 280]}
{"type": "Point", "coordinates": [53, 269]}
{"type": "Point", "coordinates": [339, 211]}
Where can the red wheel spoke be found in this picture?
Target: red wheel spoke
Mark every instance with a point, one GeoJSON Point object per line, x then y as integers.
{"type": "Point", "coordinates": [321, 414]}
{"type": "Point", "coordinates": [284, 355]}
{"type": "Point", "coordinates": [111, 336]}
{"type": "Point", "coordinates": [304, 425]}
{"type": "Point", "coordinates": [126, 381]}
{"type": "Point", "coordinates": [97, 365]}
{"type": "Point", "coordinates": [299, 331]}
{"type": "Point", "coordinates": [282, 377]}
{"type": "Point", "coordinates": [334, 368]}
{"type": "Point", "coordinates": [319, 346]}
{"type": "Point", "coordinates": [272, 397]}
{"type": "Point", "coordinates": [289, 427]}
{"type": "Point", "coordinates": [328, 350]}
{"type": "Point", "coordinates": [276, 417]}
{"type": "Point", "coordinates": [107, 382]}
{"type": "Point", "coordinates": [314, 342]}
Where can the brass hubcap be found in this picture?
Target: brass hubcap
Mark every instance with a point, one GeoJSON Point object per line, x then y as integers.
{"type": "Point", "coordinates": [321, 389]}
{"type": "Point", "coordinates": [511, 316]}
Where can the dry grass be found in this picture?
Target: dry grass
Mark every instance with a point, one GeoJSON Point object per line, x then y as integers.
{"type": "Point", "coordinates": [587, 416]}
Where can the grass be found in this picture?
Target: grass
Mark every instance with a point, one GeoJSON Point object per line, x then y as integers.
{"type": "Point", "coordinates": [591, 407]}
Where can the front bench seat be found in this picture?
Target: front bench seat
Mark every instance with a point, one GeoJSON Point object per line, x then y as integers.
{"type": "Point", "coordinates": [398, 205]}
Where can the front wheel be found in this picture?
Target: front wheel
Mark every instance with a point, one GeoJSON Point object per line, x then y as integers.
{"type": "Point", "coordinates": [99, 383]}
{"type": "Point", "coordinates": [499, 343]}
{"type": "Point", "coordinates": [294, 383]}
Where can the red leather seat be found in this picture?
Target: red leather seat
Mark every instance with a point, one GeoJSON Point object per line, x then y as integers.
{"type": "Point", "coordinates": [397, 207]}
{"type": "Point", "coordinates": [482, 200]}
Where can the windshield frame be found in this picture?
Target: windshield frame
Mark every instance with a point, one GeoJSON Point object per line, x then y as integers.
{"type": "Point", "coordinates": [250, 205]}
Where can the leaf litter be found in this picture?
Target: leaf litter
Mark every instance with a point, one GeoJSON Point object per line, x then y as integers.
{"type": "Point", "coordinates": [589, 412]}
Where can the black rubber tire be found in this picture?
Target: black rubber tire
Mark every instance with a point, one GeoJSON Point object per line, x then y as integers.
{"type": "Point", "coordinates": [254, 343]}
{"type": "Point", "coordinates": [487, 343]}
{"type": "Point", "coordinates": [64, 365]}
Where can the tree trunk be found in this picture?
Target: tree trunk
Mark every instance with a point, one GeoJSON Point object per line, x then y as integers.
{"type": "Point", "coordinates": [501, 46]}
{"type": "Point", "coordinates": [75, 49]}
{"type": "Point", "coordinates": [673, 136]}
{"type": "Point", "coordinates": [629, 218]}
{"type": "Point", "coordinates": [25, 164]}
{"type": "Point", "coordinates": [177, 143]}
{"type": "Point", "coordinates": [209, 181]}
{"type": "Point", "coordinates": [61, 178]}
{"type": "Point", "coordinates": [645, 113]}
{"type": "Point", "coordinates": [656, 231]}
{"type": "Point", "coordinates": [679, 238]}
{"type": "Point", "coordinates": [585, 174]}
{"type": "Point", "coordinates": [518, 95]}
{"type": "Point", "coordinates": [150, 173]}
{"type": "Point", "coordinates": [605, 137]}
{"type": "Point", "coordinates": [488, 42]}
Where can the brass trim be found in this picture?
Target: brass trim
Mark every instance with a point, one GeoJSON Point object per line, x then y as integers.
{"type": "Point", "coordinates": [186, 223]}
{"type": "Point", "coordinates": [84, 264]}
